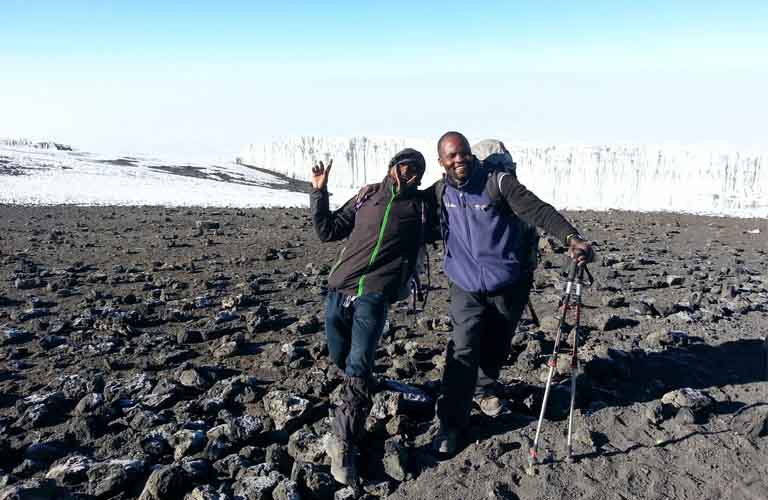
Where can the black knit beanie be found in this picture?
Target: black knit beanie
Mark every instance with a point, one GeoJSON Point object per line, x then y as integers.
{"type": "Point", "coordinates": [410, 156]}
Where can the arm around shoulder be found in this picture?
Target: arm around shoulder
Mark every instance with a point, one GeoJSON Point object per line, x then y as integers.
{"type": "Point", "coordinates": [432, 231]}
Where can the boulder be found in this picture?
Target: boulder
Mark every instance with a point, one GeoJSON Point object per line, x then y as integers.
{"type": "Point", "coordinates": [168, 482]}
{"type": "Point", "coordinates": [695, 400]}
{"type": "Point", "coordinates": [110, 478]}
{"type": "Point", "coordinates": [285, 408]}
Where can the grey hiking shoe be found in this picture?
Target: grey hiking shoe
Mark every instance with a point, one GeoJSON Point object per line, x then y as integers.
{"type": "Point", "coordinates": [490, 405]}
{"type": "Point", "coordinates": [343, 459]}
{"type": "Point", "coordinates": [446, 442]}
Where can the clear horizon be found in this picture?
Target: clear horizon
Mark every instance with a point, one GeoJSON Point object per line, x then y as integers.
{"type": "Point", "coordinates": [187, 76]}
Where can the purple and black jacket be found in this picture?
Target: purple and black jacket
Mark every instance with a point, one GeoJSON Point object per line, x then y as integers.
{"type": "Point", "coordinates": [484, 240]}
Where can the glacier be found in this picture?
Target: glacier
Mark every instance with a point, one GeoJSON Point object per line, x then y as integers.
{"type": "Point", "coordinates": [694, 179]}
{"type": "Point", "coordinates": [672, 178]}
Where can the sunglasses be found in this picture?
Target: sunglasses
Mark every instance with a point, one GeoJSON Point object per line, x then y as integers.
{"type": "Point", "coordinates": [408, 167]}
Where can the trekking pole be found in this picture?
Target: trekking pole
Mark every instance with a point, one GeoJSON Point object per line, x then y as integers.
{"type": "Point", "coordinates": [575, 352]}
{"type": "Point", "coordinates": [414, 298]}
{"type": "Point", "coordinates": [552, 363]}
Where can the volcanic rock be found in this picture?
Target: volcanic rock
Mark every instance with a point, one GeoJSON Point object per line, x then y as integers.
{"type": "Point", "coordinates": [165, 483]}
{"type": "Point", "coordinates": [34, 489]}
{"type": "Point", "coordinates": [751, 421]}
{"type": "Point", "coordinates": [686, 397]}
{"type": "Point", "coordinates": [313, 481]}
{"type": "Point", "coordinates": [306, 446]}
{"type": "Point", "coordinates": [284, 407]}
{"type": "Point", "coordinates": [286, 490]}
{"type": "Point", "coordinates": [109, 478]}
{"type": "Point", "coordinates": [206, 492]}
{"type": "Point", "coordinates": [257, 482]}
{"type": "Point", "coordinates": [395, 459]}
{"type": "Point", "coordinates": [666, 338]}
{"type": "Point", "coordinates": [187, 442]}
{"type": "Point", "coordinates": [70, 470]}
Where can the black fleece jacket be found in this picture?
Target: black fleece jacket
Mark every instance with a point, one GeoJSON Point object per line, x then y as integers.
{"type": "Point", "coordinates": [385, 232]}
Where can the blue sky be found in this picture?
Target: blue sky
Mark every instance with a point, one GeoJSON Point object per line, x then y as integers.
{"type": "Point", "coordinates": [164, 75]}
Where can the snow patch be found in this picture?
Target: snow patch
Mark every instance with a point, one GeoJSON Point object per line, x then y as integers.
{"type": "Point", "coordinates": [49, 176]}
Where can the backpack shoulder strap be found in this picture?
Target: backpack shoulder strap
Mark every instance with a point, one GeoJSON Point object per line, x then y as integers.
{"type": "Point", "coordinates": [493, 186]}
{"type": "Point", "coordinates": [529, 234]}
{"type": "Point", "coordinates": [439, 192]}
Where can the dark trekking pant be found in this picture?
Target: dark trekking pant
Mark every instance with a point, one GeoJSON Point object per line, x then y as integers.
{"type": "Point", "coordinates": [353, 331]}
{"type": "Point", "coordinates": [483, 326]}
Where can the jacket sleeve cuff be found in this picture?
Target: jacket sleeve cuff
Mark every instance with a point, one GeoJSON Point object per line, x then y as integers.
{"type": "Point", "coordinates": [318, 200]}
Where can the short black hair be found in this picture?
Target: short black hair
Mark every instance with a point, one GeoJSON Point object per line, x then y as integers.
{"type": "Point", "coordinates": [447, 135]}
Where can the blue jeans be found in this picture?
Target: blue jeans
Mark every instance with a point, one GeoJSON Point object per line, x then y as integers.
{"type": "Point", "coordinates": [353, 331]}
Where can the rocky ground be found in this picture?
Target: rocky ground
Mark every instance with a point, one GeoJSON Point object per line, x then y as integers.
{"type": "Point", "coordinates": [179, 353]}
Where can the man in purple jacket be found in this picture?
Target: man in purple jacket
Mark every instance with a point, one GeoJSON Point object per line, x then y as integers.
{"type": "Point", "coordinates": [479, 212]}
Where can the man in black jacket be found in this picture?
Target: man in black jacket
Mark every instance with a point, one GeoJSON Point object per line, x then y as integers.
{"type": "Point", "coordinates": [480, 212]}
{"type": "Point", "coordinates": [385, 231]}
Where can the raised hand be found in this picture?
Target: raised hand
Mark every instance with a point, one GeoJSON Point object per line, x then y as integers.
{"type": "Point", "coordinates": [320, 175]}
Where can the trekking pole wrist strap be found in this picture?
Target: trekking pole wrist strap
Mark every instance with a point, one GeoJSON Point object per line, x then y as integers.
{"type": "Point", "coordinates": [569, 238]}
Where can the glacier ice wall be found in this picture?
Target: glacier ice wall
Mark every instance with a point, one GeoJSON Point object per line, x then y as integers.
{"type": "Point", "coordinates": [356, 160]}
{"type": "Point", "coordinates": [645, 178]}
